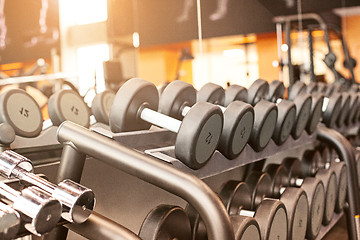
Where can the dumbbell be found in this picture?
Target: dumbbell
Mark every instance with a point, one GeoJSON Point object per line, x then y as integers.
{"type": "Point", "coordinates": [9, 222]}
{"type": "Point", "coordinates": [178, 97]}
{"type": "Point", "coordinates": [265, 117]}
{"type": "Point", "coordinates": [322, 157]}
{"type": "Point", "coordinates": [297, 88]}
{"type": "Point", "coordinates": [67, 105]}
{"type": "Point", "coordinates": [295, 199]}
{"type": "Point", "coordinates": [354, 105]}
{"type": "Point", "coordinates": [21, 112]}
{"type": "Point", "coordinates": [345, 108]}
{"type": "Point", "coordinates": [198, 135]}
{"type": "Point", "coordinates": [101, 104]}
{"type": "Point", "coordinates": [310, 167]}
{"type": "Point", "coordinates": [77, 200]}
{"type": "Point", "coordinates": [314, 189]}
{"type": "Point", "coordinates": [270, 215]}
{"type": "Point", "coordinates": [166, 222]}
{"type": "Point", "coordinates": [41, 211]}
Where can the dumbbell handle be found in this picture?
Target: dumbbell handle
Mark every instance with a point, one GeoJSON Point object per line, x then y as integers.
{"type": "Point", "coordinates": [325, 104]}
{"type": "Point", "coordinates": [247, 213]}
{"type": "Point", "coordinates": [31, 178]}
{"type": "Point", "coordinates": [8, 192]}
{"type": "Point", "coordinates": [160, 120]}
{"type": "Point", "coordinates": [186, 109]}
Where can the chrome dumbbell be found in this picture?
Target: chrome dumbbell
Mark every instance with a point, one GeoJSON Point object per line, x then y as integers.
{"type": "Point", "coordinates": [9, 222]}
{"type": "Point", "coordinates": [41, 211]}
{"type": "Point", "coordinates": [77, 200]}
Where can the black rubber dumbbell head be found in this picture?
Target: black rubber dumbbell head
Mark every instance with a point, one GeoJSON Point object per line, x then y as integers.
{"type": "Point", "coordinates": [296, 89]}
{"type": "Point", "coordinates": [264, 125]}
{"type": "Point", "coordinates": [312, 87]}
{"type": "Point", "coordinates": [101, 104]}
{"type": "Point", "coordinates": [276, 91]}
{"type": "Point", "coordinates": [303, 103]}
{"type": "Point", "coordinates": [21, 112]}
{"type": "Point", "coordinates": [345, 108]}
{"type": "Point", "coordinates": [211, 93]}
{"type": "Point", "coordinates": [317, 100]}
{"type": "Point", "coordinates": [175, 97]}
{"type": "Point", "coordinates": [285, 121]}
{"type": "Point", "coordinates": [333, 110]}
{"type": "Point", "coordinates": [68, 105]}
{"type": "Point", "coordinates": [166, 222]}
{"type": "Point", "coordinates": [235, 92]}
{"type": "Point", "coordinates": [257, 91]}
{"type": "Point", "coordinates": [354, 103]}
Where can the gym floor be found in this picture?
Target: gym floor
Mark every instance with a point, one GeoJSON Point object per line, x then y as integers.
{"type": "Point", "coordinates": [339, 231]}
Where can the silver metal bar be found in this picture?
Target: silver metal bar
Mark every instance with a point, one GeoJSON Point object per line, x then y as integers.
{"type": "Point", "coordinates": [160, 120]}
{"type": "Point", "coordinates": [184, 185]}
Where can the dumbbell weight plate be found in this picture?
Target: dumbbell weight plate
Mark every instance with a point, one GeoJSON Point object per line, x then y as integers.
{"type": "Point", "coordinates": [21, 112]}
{"type": "Point", "coordinates": [68, 105]}
{"type": "Point", "coordinates": [9, 222]}
{"type": "Point", "coordinates": [315, 191]}
{"type": "Point", "coordinates": [235, 92]}
{"type": "Point", "coordinates": [345, 108]}
{"type": "Point", "coordinates": [101, 105]}
{"type": "Point", "coordinates": [257, 91]}
{"type": "Point", "coordinates": [264, 125]}
{"type": "Point", "coordinates": [129, 98]}
{"type": "Point", "coordinates": [312, 87]}
{"type": "Point", "coordinates": [321, 87]}
{"type": "Point", "coordinates": [285, 122]}
{"type": "Point", "coordinates": [332, 111]}
{"type": "Point", "coordinates": [317, 100]}
{"type": "Point", "coordinates": [177, 95]}
{"type": "Point", "coordinates": [7, 134]}
{"type": "Point", "coordinates": [341, 175]}
{"type": "Point", "coordinates": [166, 222]}
{"type": "Point", "coordinates": [354, 103]}
{"type": "Point", "coordinates": [270, 214]}
{"type": "Point", "coordinates": [260, 187]}
{"type": "Point", "coordinates": [296, 89]}
{"type": "Point", "coordinates": [245, 228]}
{"type": "Point", "coordinates": [238, 123]}
{"type": "Point", "coordinates": [303, 109]}
{"type": "Point", "coordinates": [211, 93]}
{"type": "Point", "coordinates": [276, 91]}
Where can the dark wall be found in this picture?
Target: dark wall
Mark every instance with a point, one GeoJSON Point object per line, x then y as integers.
{"type": "Point", "coordinates": [24, 41]}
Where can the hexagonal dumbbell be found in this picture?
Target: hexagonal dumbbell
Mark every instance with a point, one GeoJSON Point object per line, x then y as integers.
{"type": "Point", "coordinates": [166, 222]}
{"type": "Point", "coordinates": [266, 115]}
{"type": "Point", "coordinates": [9, 222]}
{"type": "Point", "coordinates": [41, 211]}
{"type": "Point", "coordinates": [198, 135]}
{"type": "Point", "coordinates": [101, 105]}
{"type": "Point", "coordinates": [314, 189]}
{"type": "Point", "coordinates": [262, 185]}
{"type": "Point", "coordinates": [178, 98]}
{"type": "Point", "coordinates": [77, 201]}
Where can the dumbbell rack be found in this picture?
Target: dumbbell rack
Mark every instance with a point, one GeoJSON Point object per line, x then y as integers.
{"type": "Point", "coordinates": [159, 144]}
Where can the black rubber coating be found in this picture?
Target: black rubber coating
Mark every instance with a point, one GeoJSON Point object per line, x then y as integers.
{"type": "Point", "coordinates": [296, 89]}
{"type": "Point", "coordinates": [68, 105]}
{"type": "Point", "coordinates": [257, 91]}
{"type": "Point", "coordinates": [345, 108]}
{"type": "Point", "coordinates": [354, 103]}
{"type": "Point", "coordinates": [245, 227]}
{"type": "Point", "coordinates": [211, 93]}
{"type": "Point", "coordinates": [264, 125]}
{"type": "Point", "coordinates": [276, 91]}
{"type": "Point", "coordinates": [303, 110]}
{"type": "Point", "coordinates": [238, 124]}
{"type": "Point", "coordinates": [333, 110]}
{"type": "Point", "coordinates": [312, 87]}
{"type": "Point", "coordinates": [199, 134]}
{"type": "Point", "coordinates": [235, 92]}
{"type": "Point", "coordinates": [259, 186]}
{"type": "Point", "coordinates": [317, 100]}
{"type": "Point", "coordinates": [129, 99]}
{"type": "Point", "coordinates": [311, 162]}
{"type": "Point", "coordinates": [175, 97]}
{"type": "Point", "coordinates": [285, 121]}
{"type": "Point", "coordinates": [7, 134]}
{"type": "Point", "coordinates": [235, 196]}
{"type": "Point", "coordinates": [341, 176]}
{"type": "Point", "coordinates": [279, 178]}
{"type": "Point", "coordinates": [21, 112]}
{"type": "Point", "coordinates": [166, 222]}
{"type": "Point", "coordinates": [101, 104]}
{"type": "Point", "coordinates": [321, 87]}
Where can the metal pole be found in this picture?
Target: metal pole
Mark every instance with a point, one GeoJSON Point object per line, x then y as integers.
{"type": "Point", "coordinates": [289, 63]}
{"type": "Point", "coordinates": [311, 50]}
{"type": "Point", "coordinates": [346, 154]}
{"type": "Point", "coordinates": [100, 227]}
{"type": "Point", "coordinates": [184, 185]}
